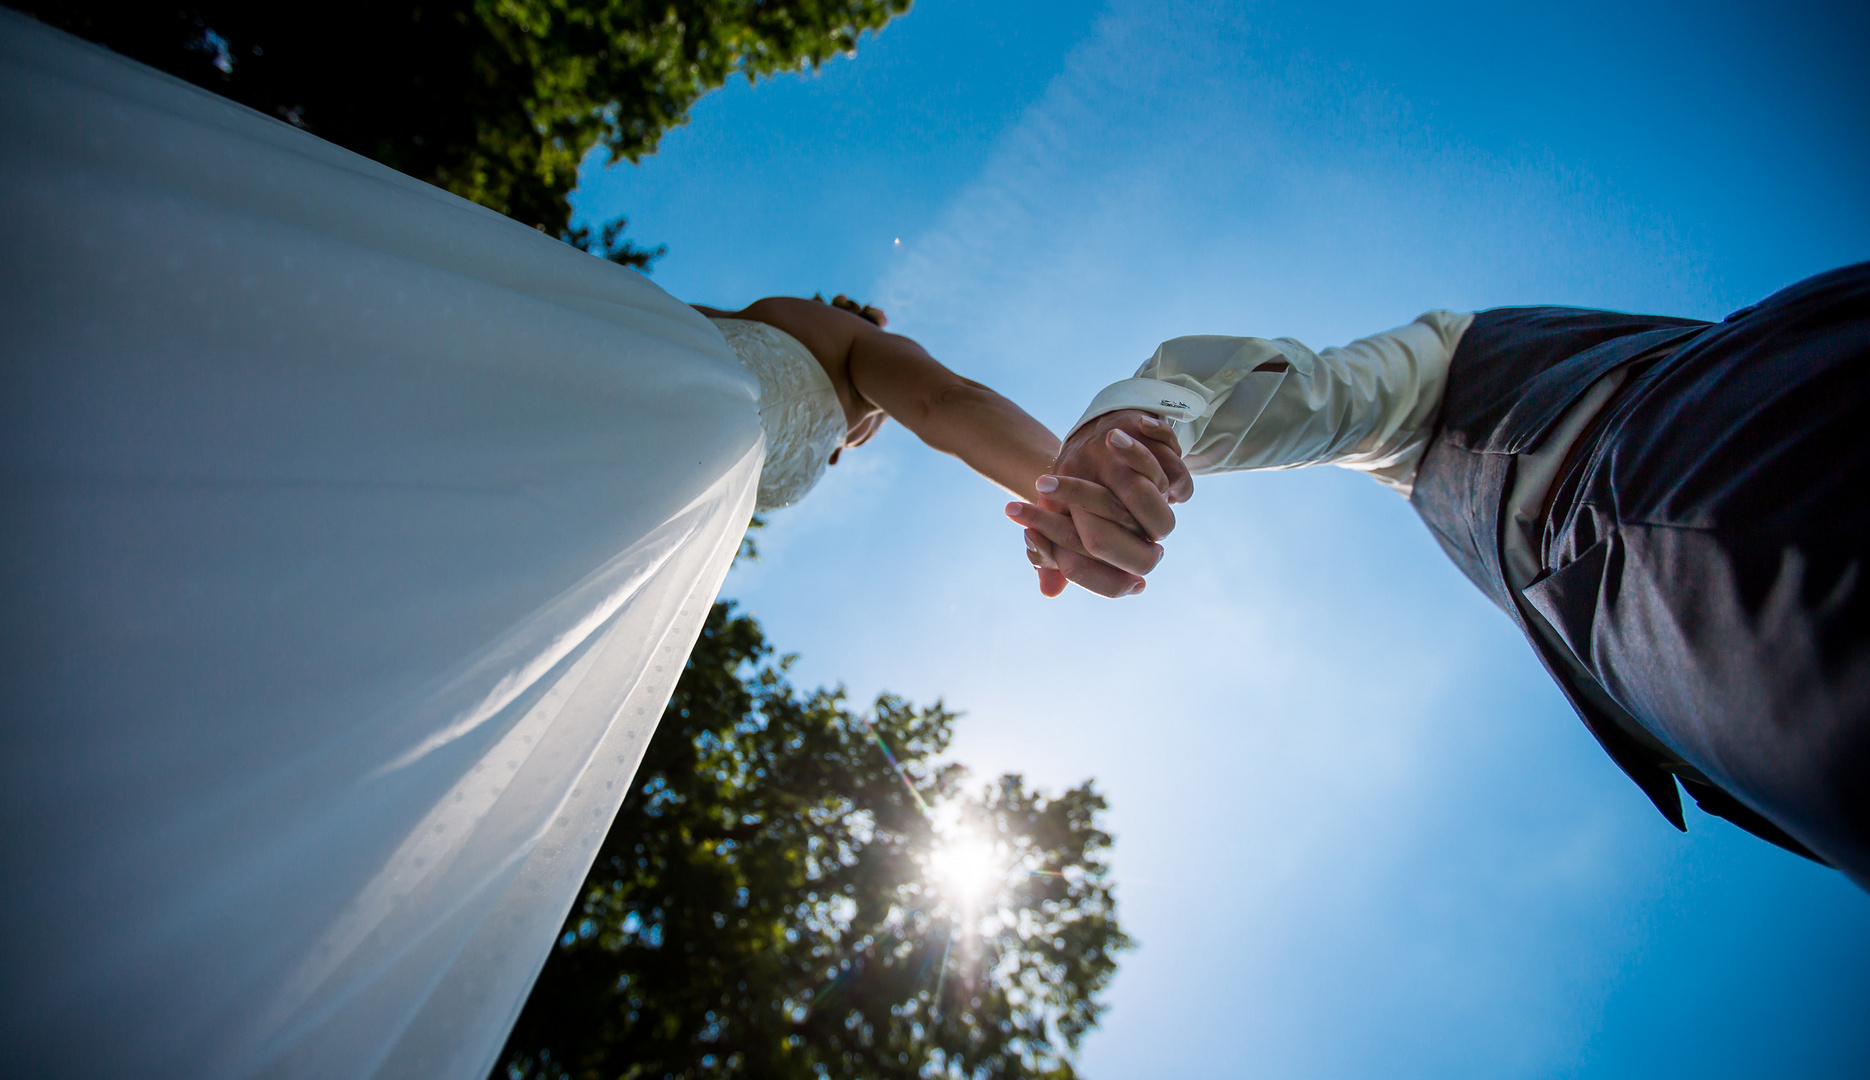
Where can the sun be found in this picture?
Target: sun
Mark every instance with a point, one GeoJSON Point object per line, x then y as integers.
{"type": "Point", "coordinates": [967, 868]}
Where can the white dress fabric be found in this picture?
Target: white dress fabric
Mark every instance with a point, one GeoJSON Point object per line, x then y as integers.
{"type": "Point", "coordinates": [354, 538]}
{"type": "Point", "coordinates": [799, 409]}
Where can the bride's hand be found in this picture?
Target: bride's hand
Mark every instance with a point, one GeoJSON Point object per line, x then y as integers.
{"type": "Point", "coordinates": [868, 311]}
{"type": "Point", "coordinates": [1065, 561]}
{"type": "Point", "coordinates": [1086, 517]}
{"type": "Point", "coordinates": [1079, 531]}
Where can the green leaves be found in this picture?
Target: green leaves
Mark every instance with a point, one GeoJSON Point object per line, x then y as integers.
{"type": "Point", "coordinates": [609, 244]}
{"type": "Point", "coordinates": [497, 101]}
{"type": "Point", "coordinates": [764, 904]}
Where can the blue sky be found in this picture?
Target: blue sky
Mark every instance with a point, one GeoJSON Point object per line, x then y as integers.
{"type": "Point", "coordinates": [1358, 833]}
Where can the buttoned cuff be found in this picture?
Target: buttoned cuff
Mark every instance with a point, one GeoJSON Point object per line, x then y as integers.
{"type": "Point", "coordinates": [1168, 400]}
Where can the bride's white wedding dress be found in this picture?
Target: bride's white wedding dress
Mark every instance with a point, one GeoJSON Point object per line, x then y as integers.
{"type": "Point", "coordinates": [354, 539]}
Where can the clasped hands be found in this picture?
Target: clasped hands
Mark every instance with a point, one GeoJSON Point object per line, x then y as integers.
{"type": "Point", "coordinates": [1105, 505]}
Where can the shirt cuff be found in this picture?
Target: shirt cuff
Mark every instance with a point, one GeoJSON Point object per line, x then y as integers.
{"type": "Point", "coordinates": [1166, 399]}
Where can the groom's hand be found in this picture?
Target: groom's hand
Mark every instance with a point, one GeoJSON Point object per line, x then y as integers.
{"type": "Point", "coordinates": [1099, 514]}
{"type": "Point", "coordinates": [1134, 456]}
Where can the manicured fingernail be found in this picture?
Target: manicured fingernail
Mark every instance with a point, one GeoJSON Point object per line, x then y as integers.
{"type": "Point", "coordinates": [1013, 509]}
{"type": "Point", "coordinates": [1140, 586]}
{"type": "Point", "coordinates": [1150, 422]}
{"type": "Point", "coordinates": [1121, 440]}
{"type": "Point", "coordinates": [1045, 485]}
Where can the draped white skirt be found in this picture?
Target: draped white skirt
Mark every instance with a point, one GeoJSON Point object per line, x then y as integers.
{"type": "Point", "coordinates": [354, 537]}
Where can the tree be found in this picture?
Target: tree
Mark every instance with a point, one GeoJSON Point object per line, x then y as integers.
{"type": "Point", "coordinates": [497, 101]}
{"type": "Point", "coordinates": [794, 889]}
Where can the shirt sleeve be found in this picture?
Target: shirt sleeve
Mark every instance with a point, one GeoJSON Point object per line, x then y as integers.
{"type": "Point", "coordinates": [1258, 403]}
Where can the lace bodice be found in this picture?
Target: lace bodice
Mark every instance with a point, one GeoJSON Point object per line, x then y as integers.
{"type": "Point", "coordinates": [799, 409]}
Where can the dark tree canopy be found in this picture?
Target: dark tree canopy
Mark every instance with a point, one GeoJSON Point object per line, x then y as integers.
{"type": "Point", "coordinates": [777, 900]}
{"type": "Point", "coordinates": [495, 100]}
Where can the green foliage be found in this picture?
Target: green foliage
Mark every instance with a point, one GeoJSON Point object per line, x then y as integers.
{"type": "Point", "coordinates": [762, 906]}
{"type": "Point", "coordinates": [495, 100]}
{"type": "Point", "coordinates": [607, 243]}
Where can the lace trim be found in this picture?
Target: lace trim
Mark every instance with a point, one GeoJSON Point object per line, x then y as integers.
{"type": "Point", "coordinates": [799, 409]}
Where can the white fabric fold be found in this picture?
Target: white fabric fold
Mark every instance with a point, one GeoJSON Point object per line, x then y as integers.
{"type": "Point", "coordinates": [355, 538]}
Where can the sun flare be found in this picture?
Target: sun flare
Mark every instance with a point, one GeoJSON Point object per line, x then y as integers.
{"type": "Point", "coordinates": [967, 868]}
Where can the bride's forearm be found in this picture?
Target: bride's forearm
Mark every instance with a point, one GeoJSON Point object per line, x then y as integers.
{"type": "Point", "coordinates": [950, 413]}
{"type": "Point", "coordinates": [994, 436]}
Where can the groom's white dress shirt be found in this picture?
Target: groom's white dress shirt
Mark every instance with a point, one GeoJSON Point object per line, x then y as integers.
{"type": "Point", "coordinates": [1272, 403]}
{"type": "Point", "coordinates": [1259, 403]}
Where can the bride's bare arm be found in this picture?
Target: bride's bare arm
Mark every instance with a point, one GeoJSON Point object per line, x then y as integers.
{"type": "Point", "coordinates": [874, 369]}
{"type": "Point", "coordinates": [952, 414]}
